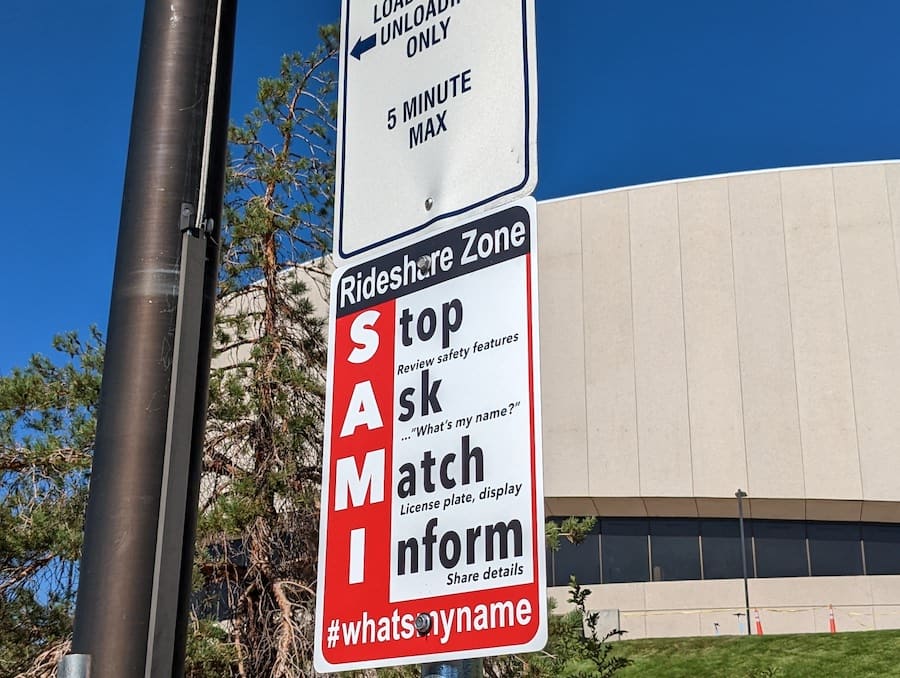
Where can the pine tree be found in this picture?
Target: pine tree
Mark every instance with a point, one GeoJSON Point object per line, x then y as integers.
{"type": "Point", "coordinates": [258, 531]}
{"type": "Point", "coordinates": [46, 439]}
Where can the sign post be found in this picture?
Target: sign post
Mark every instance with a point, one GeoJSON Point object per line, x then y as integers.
{"type": "Point", "coordinates": [437, 116]}
{"type": "Point", "coordinates": [432, 512]}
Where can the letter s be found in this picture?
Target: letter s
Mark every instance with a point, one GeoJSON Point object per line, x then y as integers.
{"type": "Point", "coordinates": [365, 338]}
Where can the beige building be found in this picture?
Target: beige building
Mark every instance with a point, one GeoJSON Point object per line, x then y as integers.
{"type": "Point", "coordinates": [706, 335]}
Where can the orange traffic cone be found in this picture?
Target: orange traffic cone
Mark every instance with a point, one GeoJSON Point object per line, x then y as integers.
{"type": "Point", "coordinates": [759, 630]}
{"type": "Point", "coordinates": [831, 625]}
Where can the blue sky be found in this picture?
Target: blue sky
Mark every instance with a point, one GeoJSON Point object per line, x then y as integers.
{"type": "Point", "coordinates": [631, 91]}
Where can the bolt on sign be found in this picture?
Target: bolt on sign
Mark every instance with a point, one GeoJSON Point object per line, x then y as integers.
{"type": "Point", "coordinates": [431, 542]}
{"type": "Point", "coordinates": [437, 116]}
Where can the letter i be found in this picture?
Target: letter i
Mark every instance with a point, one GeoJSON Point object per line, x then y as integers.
{"type": "Point", "coordinates": [357, 555]}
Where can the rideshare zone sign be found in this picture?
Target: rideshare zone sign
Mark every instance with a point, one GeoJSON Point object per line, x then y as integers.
{"type": "Point", "coordinates": [431, 542]}
{"type": "Point", "coordinates": [437, 115]}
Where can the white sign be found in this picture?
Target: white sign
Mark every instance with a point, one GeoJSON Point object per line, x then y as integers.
{"type": "Point", "coordinates": [432, 500]}
{"type": "Point", "coordinates": [437, 115]}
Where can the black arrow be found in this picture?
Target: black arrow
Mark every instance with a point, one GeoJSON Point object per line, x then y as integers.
{"type": "Point", "coordinates": [363, 46]}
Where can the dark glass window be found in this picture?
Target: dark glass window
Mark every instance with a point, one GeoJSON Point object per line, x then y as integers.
{"type": "Point", "coordinates": [721, 544]}
{"type": "Point", "coordinates": [882, 545]}
{"type": "Point", "coordinates": [548, 559]}
{"type": "Point", "coordinates": [780, 548]}
{"type": "Point", "coordinates": [674, 549]}
{"type": "Point", "coordinates": [581, 561]}
{"type": "Point", "coordinates": [668, 549]}
{"type": "Point", "coordinates": [834, 549]}
{"type": "Point", "coordinates": [211, 601]}
{"type": "Point", "coordinates": [624, 553]}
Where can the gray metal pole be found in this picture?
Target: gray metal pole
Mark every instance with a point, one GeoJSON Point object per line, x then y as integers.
{"type": "Point", "coordinates": [463, 668]}
{"type": "Point", "coordinates": [740, 494]}
{"type": "Point", "coordinates": [120, 575]}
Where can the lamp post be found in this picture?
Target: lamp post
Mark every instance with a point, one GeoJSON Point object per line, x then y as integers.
{"type": "Point", "coordinates": [740, 494]}
{"type": "Point", "coordinates": [134, 588]}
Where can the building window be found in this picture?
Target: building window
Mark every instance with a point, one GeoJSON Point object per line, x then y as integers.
{"type": "Point", "coordinates": [720, 540]}
{"type": "Point", "coordinates": [550, 564]}
{"type": "Point", "coordinates": [624, 553]}
{"type": "Point", "coordinates": [780, 548]}
{"type": "Point", "coordinates": [674, 549]}
{"type": "Point", "coordinates": [624, 550]}
{"type": "Point", "coordinates": [882, 547]}
{"type": "Point", "coordinates": [834, 549]}
{"type": "Point", "coordinates": [581, 561]}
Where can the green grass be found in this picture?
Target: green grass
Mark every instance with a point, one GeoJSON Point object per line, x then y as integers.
{"type": "Point", "coordinates": [850, 655]}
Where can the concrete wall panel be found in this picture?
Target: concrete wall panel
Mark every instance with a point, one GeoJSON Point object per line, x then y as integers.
{"type": "Point", "coordinates": [634, 623]}
{"type": "Point", "coordinates": [794, 605]}
{"type": "Point", "coordinates": [847, 619]}
{"type": "Point", "coordinates": [562, 349]}
{"type": "Point", "coordinates": [884, 589]}
{"type": "Point", "coordinates": [827, 425]}
{"type": "Point", "coordinates": [784, 620]}
{"type": "Point", "coordinates": [694, 595]}
{"type": "Point", "coordinates": [727, 620]}
{"type": "Point", "coordinates": [811, 591]}
{"type": "Point", "coordinates": [666, 624]}
{"type": "Point", "coordinates": [886, 616]}
{"type": "Point", "coordinates": [660, 373]}
{"type": "Point", "coordinates": [713, 375]}
{"type": "Point", "coordinates": [609, 347]}
{"type": "Point", "coordinates": [768, 382]}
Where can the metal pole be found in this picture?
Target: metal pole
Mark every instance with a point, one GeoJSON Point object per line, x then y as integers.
{"type": "Point", "coordinates": [129, 546]}
{"type": "Point", "coordinates": [740, 494]}
{"type": "Point", "coordinates": [463, 668]}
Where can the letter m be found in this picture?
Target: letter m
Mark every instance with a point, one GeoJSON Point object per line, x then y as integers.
{"type": "Point", "coordinates": [350, 482]}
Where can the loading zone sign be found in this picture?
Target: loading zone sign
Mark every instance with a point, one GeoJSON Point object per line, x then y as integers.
{"type": "Point", "coordinates": [432, 504]}
{"type": "Point", "coordinates": [437, 115]}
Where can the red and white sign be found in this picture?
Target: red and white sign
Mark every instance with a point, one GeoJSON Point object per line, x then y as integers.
{"type": "Point", "coordinates": [432, 501]}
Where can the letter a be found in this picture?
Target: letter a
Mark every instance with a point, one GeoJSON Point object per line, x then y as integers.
{"type": "Point", "coordinates": [363, 409]}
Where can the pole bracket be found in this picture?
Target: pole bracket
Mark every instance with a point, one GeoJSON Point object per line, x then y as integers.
{"type": "Point", "coordinates": [186, 217]}
{"type": "Point", "coordinates": [187, 222]}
